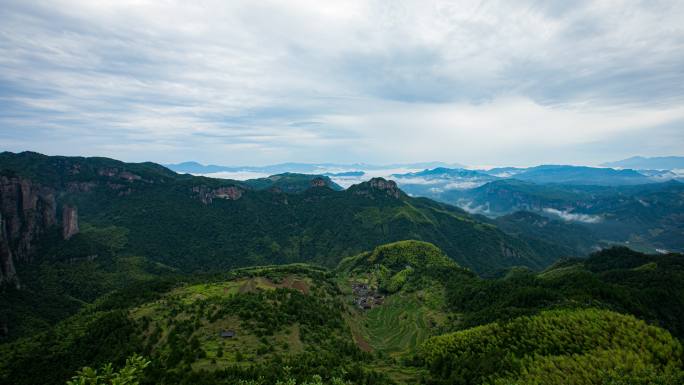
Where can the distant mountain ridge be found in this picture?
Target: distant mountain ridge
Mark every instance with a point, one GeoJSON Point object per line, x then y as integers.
{"type": "Point", "coordinates": [192, 167]}
{"type": "Point", "coordinates": [658, 162]}
{"type": "Point", "coordinates": [581, 175]}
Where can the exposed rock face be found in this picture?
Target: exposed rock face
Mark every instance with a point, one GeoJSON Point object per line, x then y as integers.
{"type": "Point", "coordinates": [318, 182]}
{"type": "Point", "coordinates": [7, 272]}
{"type": "Point", "coordinates": [207, 195]}
{"type": "Point", "coordinates": [389, 187]}
{"type": "Point", "coordinates": [27, 210]}
{"type": "Point", "coordinates": [113, 172]}
{"type": "Point", "coordinates": [69, 221]}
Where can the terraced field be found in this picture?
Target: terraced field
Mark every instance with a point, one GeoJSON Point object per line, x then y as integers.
{"type": "Point", "coordinates": [397, 326]}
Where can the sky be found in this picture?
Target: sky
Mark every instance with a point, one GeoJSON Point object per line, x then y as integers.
{"type": "Point", "coordinates": [261, 82]}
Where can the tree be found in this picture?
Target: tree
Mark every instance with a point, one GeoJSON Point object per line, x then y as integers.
{"type": "Point", "coordinates": [130, 374]}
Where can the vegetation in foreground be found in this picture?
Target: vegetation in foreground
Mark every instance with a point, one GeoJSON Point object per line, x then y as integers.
{"type": "Point", "coordinates": [609, 319]}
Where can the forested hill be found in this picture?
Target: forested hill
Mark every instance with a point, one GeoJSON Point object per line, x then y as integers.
{"type": "Point", "coordinates": [401, 313]}
{"type": "Point", "coordinates": [197, 223]}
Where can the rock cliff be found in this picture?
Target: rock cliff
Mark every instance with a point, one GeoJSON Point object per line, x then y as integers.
{"type": "Point", "coordinates": [207, 195]}
{"type": "Point", "coordinates": [27, 210]}
{"type": "Point", "coordinates": [69, 221]}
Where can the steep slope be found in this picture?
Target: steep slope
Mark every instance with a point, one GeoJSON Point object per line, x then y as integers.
{"type": "Point", "coordinates": [548, 235]}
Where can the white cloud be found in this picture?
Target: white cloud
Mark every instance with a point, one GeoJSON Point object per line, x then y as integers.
{"type": "Point", "coordinates": [574, 217]}
{"type": "Point", "coordinates": [379, 81]}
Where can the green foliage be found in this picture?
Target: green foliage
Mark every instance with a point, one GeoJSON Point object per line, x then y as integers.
{"type": "Point", "coordinates": [290, 182]}
{"type": "Point", "coordinates": [294, 322]}
{"type": "Point", "coordinates": [68, 274]}
{"type": "Point", "coordinates": [563, 346]}
{"type": "Point", "coordinates": [397, 327]}
{"type": "Point", "coordinates": [130, 374]}
{"type": "Point", "coordinates": [410, 265]}
{"type": "Point", "coordinates": [606, 279]}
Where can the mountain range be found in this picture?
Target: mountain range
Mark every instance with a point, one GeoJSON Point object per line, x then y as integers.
{"type": "Point", "coordinates": [292, 278]}
{"type": "Point", "coordinates": [309, 168]}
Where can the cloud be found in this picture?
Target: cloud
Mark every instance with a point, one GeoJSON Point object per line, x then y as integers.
{"type": "Point", "coordinates": [380, 81]}
{"type": "Point", "coordinates": [574, 217]}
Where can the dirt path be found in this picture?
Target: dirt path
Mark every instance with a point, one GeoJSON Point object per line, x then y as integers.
{"type": "Point", "coordinates": [302, 286]}
{"type": "Point", "coordinates": [361, 342]}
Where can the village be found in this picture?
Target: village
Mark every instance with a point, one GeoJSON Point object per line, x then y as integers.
{"type": "Point", "coordinates": [365, 297]}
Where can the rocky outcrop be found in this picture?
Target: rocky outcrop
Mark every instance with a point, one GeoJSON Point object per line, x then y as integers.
{"type": "Point", "coordinates": [69, 221]}
{"type": "Point", "coordinates": [116, 173]}
{"type": "Point", "coordinates": [318, 182]}
{"type": "Point", "coordinates": [388, 187]}
{"type": "Point", "coordinates": [27, 210]}
{"type": "Point", "coordinates": [8, 274]}
{"type": "Point", "coordinates": [207, 195]}
{"type": "Point", "coordinates": [80, 187]}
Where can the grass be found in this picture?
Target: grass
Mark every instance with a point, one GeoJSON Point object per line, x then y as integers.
{"type": "Point", "coordinates": [287, 341]}
{"type": "Point", "coordinates": [560, 271]}
{"type": "Point", "coordinates": [398, 326]}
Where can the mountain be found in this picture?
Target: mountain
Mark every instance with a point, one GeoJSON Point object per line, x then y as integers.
{"type": "Point", "coordinates": [443, 172]}
{"type": "Point", "coordinates": [306, 168]}
{"type": "Point", "coordinates": [400, 313]}
{"type": "Point", "coordinates": [642, 215]}
{"type": "Point", "coordinates": [346, 173]}
{"type": "Point", "coordinates": [657, 163]}
{"type": "Point", "coordinates": [292, 183]}
{"type": "Point", "coordinates": [201, 223]}
{"type": "Point", "coordinates": [447, 179]}
{"type": "Point", "coordinates": [566, 238]}
{"type": "Point", "coordinates": [436, 183]}
{"type": "Point", "coordinates": [401, 265]}
{"type": "Point", "coordinates": [197, 168]}
{"type": "Point", "coordinates": [450, 185]}
{"type": "Point", "coordinates": [581, 175]}
{"type": "Point", "coordinates": [165, 278]}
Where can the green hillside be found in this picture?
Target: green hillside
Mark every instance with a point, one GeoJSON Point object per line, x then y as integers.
{"type": "Point", "coordinates": [648, 286]}
{"type": "Point", "coordinates": [410, 276]}
{"type": "Point", "coordinates": [557, 347]}
{"type": "Point", "coordinates": [579, 322]}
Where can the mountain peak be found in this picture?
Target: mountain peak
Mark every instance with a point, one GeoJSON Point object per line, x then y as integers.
{"type": "Point", "coordinates": [378, 184]}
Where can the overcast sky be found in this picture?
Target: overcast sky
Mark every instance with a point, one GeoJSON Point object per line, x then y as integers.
{"type": "Point", "coordinates": [257, 82]}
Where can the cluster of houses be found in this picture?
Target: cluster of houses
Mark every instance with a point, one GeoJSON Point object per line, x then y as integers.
{"type": "Point", "coordinates": [365, 297]}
